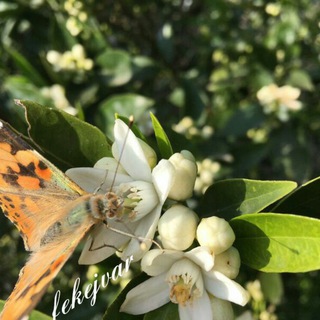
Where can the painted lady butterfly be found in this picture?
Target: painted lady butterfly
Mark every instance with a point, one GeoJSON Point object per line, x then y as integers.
{"type": "Point", "coordinates": [51, 212]}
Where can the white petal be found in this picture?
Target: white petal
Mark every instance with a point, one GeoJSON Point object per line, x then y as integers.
{"type": "Point", "coordinates": [162, 177]}
{"type": "Point", "coordinates": [102, 243]}
{"type": "Point", "coordinates": [147, 296]}
{"type": "Point", "coordinates": [131, 155]}
{"type": "Point", "coordinates": [157, 261]}
{"type": "Point", "coordinates": [222, 287]}
{"type": "Point", "coordinates": [202, 257]}
{"type": "Point", "coordinates": [93, 179]}
{"type": "Point", "coordinates": [144, 233]}
{"type": "Point", "coordinates": [109, 164]}
{"type": "Point", "coordinates": [198, 309]}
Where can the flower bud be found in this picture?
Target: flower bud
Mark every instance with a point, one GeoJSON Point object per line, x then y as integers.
{"type": "Point", "coordinates": [216, 234]}
{"type": "Point", "coordinates": [228, 262]}
{"type": "Point", "coordinates": [221, 309]}
{"type": "Point", "coordinates": [177, 227]}
{"type": "Point", "coordinates": [184, 176]}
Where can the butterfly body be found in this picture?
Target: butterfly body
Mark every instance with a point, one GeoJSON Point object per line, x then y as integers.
{"type": "Point", "coordinates": [51, 212]}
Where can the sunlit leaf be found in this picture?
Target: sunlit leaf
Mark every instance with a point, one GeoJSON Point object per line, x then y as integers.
{"type": "Point", "coordinates": [229, 198]}
{"type": "Point", "coordinates": [69, 140]}
{"type": "Point", "coordinates": [162, 138]}
{"type": "Point", "coordinates": [272, 242]}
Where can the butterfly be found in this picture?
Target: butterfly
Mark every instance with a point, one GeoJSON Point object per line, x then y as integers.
{"type": "Point", "coordinates": [51, 212]}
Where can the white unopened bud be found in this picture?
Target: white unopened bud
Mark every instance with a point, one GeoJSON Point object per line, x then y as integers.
{"type": "Point", "coordinates": [228, 262]}
{"type": "Point", "coordinates": [177, 227]}
{"type": "Point", "coordinates": [184, 176]}
{"type": "Point", "coordinates": [221, 309]}
{"type": "Point", "coordinates": [216, 234]}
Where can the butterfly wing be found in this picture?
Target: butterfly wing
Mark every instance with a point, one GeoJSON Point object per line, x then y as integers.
{"type": "Point", "coordinates": [39, 271]}
{"type": "Point", "coordinates": [30, 187]}
{"type": "Point", "coordinates": [38, 199]}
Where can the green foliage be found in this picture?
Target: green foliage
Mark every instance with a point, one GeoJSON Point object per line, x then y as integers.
{"type": "Point", "coordinates": [230, 198]}
{"type": "Point", "coordinates": [73, 142]}
{"type": "Point", "coordinates": [273, 242]}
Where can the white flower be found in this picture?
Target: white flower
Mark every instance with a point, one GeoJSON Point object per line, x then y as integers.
{"type": "Point", "coordinates": [177, 227]}
{"type": "Point", "coordinates": [279, 100]}
{"type": "Point", "coordinates": [138, 193]}
{"type": "Point", "coordinates": [184, 278]}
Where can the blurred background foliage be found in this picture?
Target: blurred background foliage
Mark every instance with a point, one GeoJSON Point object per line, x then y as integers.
{"type": "Point", "coordinates": [234, 81]}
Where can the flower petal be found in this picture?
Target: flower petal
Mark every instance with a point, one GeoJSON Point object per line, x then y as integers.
{"type": "Point", "coordinates": [94, 179]}
{"type": "Point", "coordinates": [147, 296]}
{"type": "Point", "coordinates": [162, 178]}
{"type": "Point", "coordinates": [222, 287]}
{"type": "Point", "coordinates": [199, 309]}
{"type": "Point", "coordinates": [102, 243]}
{"type": "Point", "coordinates": [157, 261]}
{"type": "Point", "coordinates": [144, 233]}
{"type": "Point", "coordinates": [129, 151]}
{"type": "Point", "coordinates": [202, 257]}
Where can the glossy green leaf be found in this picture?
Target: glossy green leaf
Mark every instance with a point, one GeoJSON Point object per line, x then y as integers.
{"type": "Point", "coordinates": [304, 200]}
{"type": "Point", "coordinates": [162, 138]}
{"type": "Point", "coordinates": [124, 104]}
{"type": "Point", "coordinates": [300, 79]}
{"type": "Point", "coordinates": [116, 67]}
{"type": "Point", "coordinates": [272, 242]}
{"type": "Point", "coordinates": [20, 87]}
{"type": "Point", "coordinates": [229, 198]}
{"type": "Point", "coordinates": [65, 138]}
{"type": "Point", "coordinates": [35, 315]}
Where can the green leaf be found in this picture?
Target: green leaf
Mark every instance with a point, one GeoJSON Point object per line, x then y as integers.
{"type": "Point", "coordinates": [303, 200]}
{"type": "Point", "coordinates": [168, 312]}
{"type": "Point", "coordinates": [35, 315]}
{"type": "Point", "coordinates": [116, 67]}
{"type": "Point", "coordinates": [162, 138]}
{"type": "Point", "coordinates": [124, 104]}
{"type": "Point", "coordinates": [229, 198]}
{"type": "Point", "coordinates": [65, 138]}
{"type": "Point", "coordinates": [300, 79]}
{"type": "Point", "coordinates": [272, 242]}
{"type": "Point", "coordinates": [20, 87]}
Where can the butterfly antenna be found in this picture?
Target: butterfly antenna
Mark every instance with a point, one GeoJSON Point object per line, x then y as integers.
{"type": "Point", "coordinates": [130, 124]}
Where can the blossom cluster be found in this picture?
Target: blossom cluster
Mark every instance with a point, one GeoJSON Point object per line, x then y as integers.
{"type": "Point", "coordinates": [57, 94]}
{"type": "Point", "coordinates": [188, 128]}
{"type": "Point", "coordinates": [77, 16]}
{"type": "Point", "coordinates": [279, 100]}
{"type": "Point", "coordinates": [191, 263]}
{"type": "Point", "coordinates": [73, 60]}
